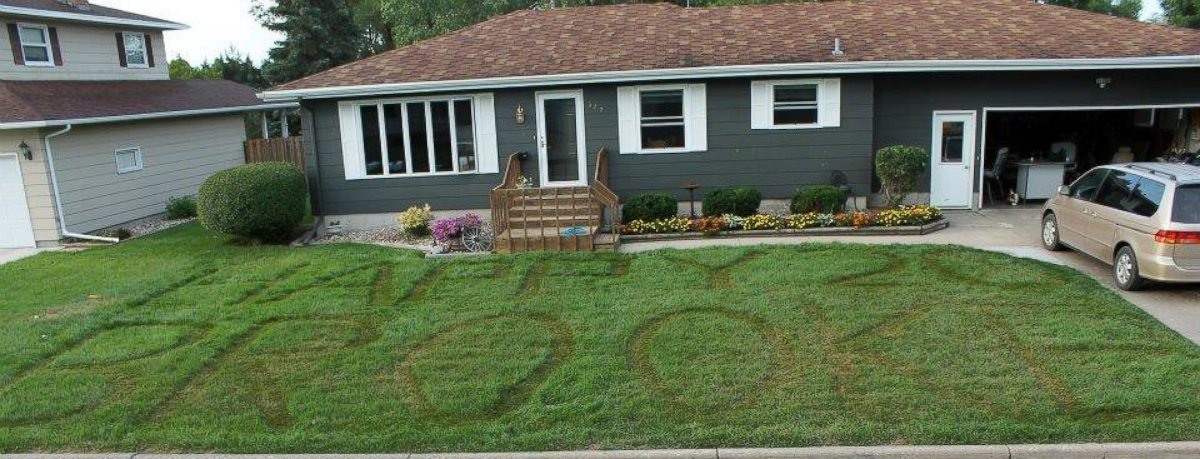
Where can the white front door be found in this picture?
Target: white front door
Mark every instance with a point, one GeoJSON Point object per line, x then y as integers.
{"type": "Point", "coordinates": [16, 230]}
{"type": "Point", "coordinates": [562, 148]}
{"type": "Point", "coordinates": [952, 184]}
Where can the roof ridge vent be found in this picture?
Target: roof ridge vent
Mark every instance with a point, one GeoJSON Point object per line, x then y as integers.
{"type": "Point", "coordinates": [81, 5]}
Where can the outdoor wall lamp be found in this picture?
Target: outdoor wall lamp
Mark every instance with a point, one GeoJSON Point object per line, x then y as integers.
{"type": "Point", "coordinates": [26, 151]}
{"type": "Point", "coordinates": [519, 114]}
{"type": "Point", "coordinates": [1104, 82]}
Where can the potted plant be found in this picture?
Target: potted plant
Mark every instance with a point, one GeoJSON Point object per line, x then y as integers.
{"type": "Point", "coordinates": [525, 183]}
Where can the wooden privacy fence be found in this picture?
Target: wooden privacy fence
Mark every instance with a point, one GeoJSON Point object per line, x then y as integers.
{"type": "Point", "coordinates": [281, 149]}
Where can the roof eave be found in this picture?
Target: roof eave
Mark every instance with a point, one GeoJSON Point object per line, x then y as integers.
{"type": "Point", "coordinates": [91, 18]}
{"type": "Point", "coordinates": [828, 68]}
{"type": "Point", "coordinates": [147, 116]}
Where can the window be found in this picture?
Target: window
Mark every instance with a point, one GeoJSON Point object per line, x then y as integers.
{"type": "Point", "coordinates": [1131, 193]}
{"type": "Point", "coordinates": [1085, 188]}
{"type": "Point", "coordinates": [416, 137]}
{"type": "Point", "coordinates": [1187, 205]}
{"type": "Point", "coordinates": [35, 44]}
{"type": "Point", "coordinates": [796, 104]}
{"type": "Point", "coordinates": [129, 160]}
{"type": "Point", "coordinates": [663, 119]}
{"type": "Point", "coordinates": [135, 50]}
{"type": "Point", "coordinates": [952, 141]}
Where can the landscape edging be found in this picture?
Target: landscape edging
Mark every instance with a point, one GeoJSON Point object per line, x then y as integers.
{"type": "Point", "coordinates": [835, 231]}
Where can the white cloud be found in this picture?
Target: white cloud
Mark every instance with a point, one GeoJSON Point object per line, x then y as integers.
{"type": "Point", "coordinates": [216, 26]}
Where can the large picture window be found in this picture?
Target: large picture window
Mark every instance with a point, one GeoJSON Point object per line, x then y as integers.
{"type": "Point", "coordinates": [417, 137]}
{"type": "Point", "coordinates": [663, 119]}
{"type": "Point", "coordinates": [796, 104]}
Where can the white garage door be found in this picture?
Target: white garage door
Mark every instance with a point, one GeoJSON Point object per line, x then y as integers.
{"type": "Point", "coordinates": [15, 228]}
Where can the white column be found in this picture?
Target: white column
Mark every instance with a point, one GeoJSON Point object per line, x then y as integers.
{"type": "Point", "coordinates": [266, 129]}
{"type": "Point", "coordinates": [283, 123]}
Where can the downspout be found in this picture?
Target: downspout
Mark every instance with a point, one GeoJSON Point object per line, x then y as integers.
{"type": "Point", "coordinates": [62, 217]}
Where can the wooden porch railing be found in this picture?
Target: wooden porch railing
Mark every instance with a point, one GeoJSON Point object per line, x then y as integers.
{"type": "Point", "coordinates": [281, 149]}
{"type": "Point", "coordinates": [534, 218]}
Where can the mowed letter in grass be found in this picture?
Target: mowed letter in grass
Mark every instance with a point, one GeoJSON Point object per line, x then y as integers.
{"type": "Point", "coordinates": [183, 342]}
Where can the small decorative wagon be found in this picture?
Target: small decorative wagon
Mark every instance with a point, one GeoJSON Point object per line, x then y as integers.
{"type": "Point", "coordinates": [467, 233]}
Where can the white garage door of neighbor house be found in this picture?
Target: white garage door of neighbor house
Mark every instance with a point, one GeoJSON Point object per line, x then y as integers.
{"type": "Point", "coordinates": [16, 230]}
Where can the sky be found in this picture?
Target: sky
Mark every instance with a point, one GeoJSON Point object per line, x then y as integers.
{"type": "Point", "coordinates": [219, 24]}
{"type": "Point", "coordinates": [216, 25]}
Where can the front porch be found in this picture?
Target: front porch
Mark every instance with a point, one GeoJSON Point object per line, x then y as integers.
{"type": "Point", "coordinates": [563, 219]}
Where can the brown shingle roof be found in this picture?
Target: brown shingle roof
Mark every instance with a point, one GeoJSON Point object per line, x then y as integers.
{"type": "Point", "coordinates": [33, 101]}
{"type": "Point", "coordinates": [664, 36]}
{"type": "Point", "coordinates": [98, 11]}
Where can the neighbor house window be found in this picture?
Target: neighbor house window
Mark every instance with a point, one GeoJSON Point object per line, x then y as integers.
{"type": "Point", "coordinates": [35, 44]}
{"type": "Point", "coordinates": [135, 50]}
{"type": "Point", "coordinates": [795, 104]}
{"type": "Point", "coordinates": [419, 137]}
{"type": "Point", "coordinates": [129, 160]}
{"type": "Point", "coordinates": [663, 119]}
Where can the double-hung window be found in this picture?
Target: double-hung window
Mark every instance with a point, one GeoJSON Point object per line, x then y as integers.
{"type": "Point", "coordinates": [136, 54]}
{"type": "Point", "coordinates": [36, 46]}
{"type": "Point", "coordinates": [419, 137]}
{"type": "Point", "coordinates": [796, 104]}
{"type": "Point", "coordinates": [662, 119]}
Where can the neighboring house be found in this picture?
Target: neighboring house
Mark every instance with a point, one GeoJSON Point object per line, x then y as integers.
{"type": "Point", "coordinates": [93, 134]}
{"type": "Point", "coordinates": [770, 96]}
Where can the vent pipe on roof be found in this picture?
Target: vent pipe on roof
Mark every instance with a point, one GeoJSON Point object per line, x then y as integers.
{"type": "Point", "coordinates": [837, 47]}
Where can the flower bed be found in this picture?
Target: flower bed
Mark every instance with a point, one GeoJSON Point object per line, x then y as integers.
{"type": "Point", "coordinates": [902, 220]}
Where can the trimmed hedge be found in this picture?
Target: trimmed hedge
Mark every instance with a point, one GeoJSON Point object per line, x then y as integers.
{"type": "Point", "coordinates": [741, 201]}
{"type": "Point", "coordinates": [822, 199]}
{"type": "Point", "coordinates": [650, 207]}
{"type": "Point", "coordinates": [262, 202]}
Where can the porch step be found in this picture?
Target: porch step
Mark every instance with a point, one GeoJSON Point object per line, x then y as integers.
{"type": "Point", "coordinates": [550, 210]}
{"type": "Point", "coordinates": [549, 238]}
{"type": "Point", "coordinates": [562, 221]}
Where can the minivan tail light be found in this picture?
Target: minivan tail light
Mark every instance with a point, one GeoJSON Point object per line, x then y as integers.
{"type": "Point", "coordinates": [1177, 237]}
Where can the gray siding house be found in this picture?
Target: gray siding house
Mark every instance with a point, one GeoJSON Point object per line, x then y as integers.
{"type": "Point", "coordinates": [769, 96]}
{"type": "Point", "coordinates": [93, 134]}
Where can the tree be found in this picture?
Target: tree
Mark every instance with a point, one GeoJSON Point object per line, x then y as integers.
{"type": "Point", "coordinates": [317, 35]}
{"type": "Point", "coordinates": [1123, 8]}
{"type": "Point", "coordinates": [231, 65]}
{"type": "Point", "coordinates": [1184, 13]}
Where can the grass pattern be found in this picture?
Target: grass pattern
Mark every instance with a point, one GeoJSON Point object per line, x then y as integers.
{"type": "Point", "coordinates": [183, 342]}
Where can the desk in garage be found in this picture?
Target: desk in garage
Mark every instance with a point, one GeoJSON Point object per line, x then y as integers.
{"type": "Point", "coordinates": [1039, 180]}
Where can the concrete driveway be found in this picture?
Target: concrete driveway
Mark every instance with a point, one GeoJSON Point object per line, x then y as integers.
{"type": "Point", "coordinates": [11, 255]}
{"type": "Point", "coordinates": [1013, 231]}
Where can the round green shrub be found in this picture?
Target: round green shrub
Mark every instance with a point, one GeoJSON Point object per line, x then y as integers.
{"type": "Point", "coordinates": [262, 202]}
{"type": "Point", "coordinates": [823, 199]}
{"type": "Point", "coordinates": [898, 168]}
{"type": "Point", "coordinates": [650, 207]}
{"type": "Point", "coordinates": [741, 201]}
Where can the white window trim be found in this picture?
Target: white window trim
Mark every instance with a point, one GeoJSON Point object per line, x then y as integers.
{"type": "Point", "coordinates": [49, 45]}
{"type": "Point", "coordinates": [145, 53]}
{"type": "Point", "coordinates": [137, 154]}
{"type": "Point", "coordinates": [354, 148]}
{"type": "Point", "coordinates": [695, 127]}
{"type": "Point", "coordinates": [762, 106]}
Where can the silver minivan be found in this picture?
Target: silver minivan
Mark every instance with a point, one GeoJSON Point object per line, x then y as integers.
{"type": "Point", "coordinates": [1142, 218]}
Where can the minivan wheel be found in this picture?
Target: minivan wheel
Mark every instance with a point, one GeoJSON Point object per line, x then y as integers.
{"type": "Point", "coordinates": [1125, 270]}
{"type": "Point", "coordinates": [1050, 233]}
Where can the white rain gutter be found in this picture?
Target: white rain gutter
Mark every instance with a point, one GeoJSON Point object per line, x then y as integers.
{"type": "Point", "coordinates": [62, 217]}
{"type": "Point", "coordinates": [148, 116]}
{"type": "Point", "coordinates": [91, 18]}
{"type": "Point", "coordinates": [805, 68]}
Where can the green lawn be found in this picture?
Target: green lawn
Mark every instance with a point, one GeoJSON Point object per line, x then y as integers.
{"type": "Point", "coordinates": [183, 342]}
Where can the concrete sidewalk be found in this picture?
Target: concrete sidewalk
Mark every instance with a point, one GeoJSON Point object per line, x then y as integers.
{"type": "Point", "coordinates": [1015, 232]}
{"type": "Point", "coordinates": [1065, 451]}
{"type": "Point", "coordinates": [11, 255]}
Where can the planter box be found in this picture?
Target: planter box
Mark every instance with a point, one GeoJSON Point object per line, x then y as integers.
{"type": "Point", "coordinates": [869, 231]}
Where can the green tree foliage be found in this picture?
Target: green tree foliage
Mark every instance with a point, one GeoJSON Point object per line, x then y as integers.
{"type": "Point", "coordinates": [317, 35]}
{"type": "Point", "coordinates": [1122, 8]}
{"type": "Point", "coordinates": [1185, 13]}
{"type": "Point", "coordinates": [232, 66]}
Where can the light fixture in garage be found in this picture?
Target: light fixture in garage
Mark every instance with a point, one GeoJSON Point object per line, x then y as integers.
{"type": "Point", "coordinates": [26, 151]}
{"type": "Point", "coordinates": [1104, 82]}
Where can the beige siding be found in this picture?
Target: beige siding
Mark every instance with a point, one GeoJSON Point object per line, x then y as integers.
{"type": "Point", "coordinates": [37, 183]}
{"type": "Point", "coordinates": [89, 53]}
{"type": "Point", "coordinates": [178, 155]}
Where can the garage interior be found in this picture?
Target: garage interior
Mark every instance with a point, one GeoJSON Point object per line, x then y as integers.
{"type": "Point", "coordinates": [1029, 154]}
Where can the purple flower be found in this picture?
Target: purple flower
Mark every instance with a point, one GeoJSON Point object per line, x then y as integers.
{"type": "Point", "coordinates": [445, 229]}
